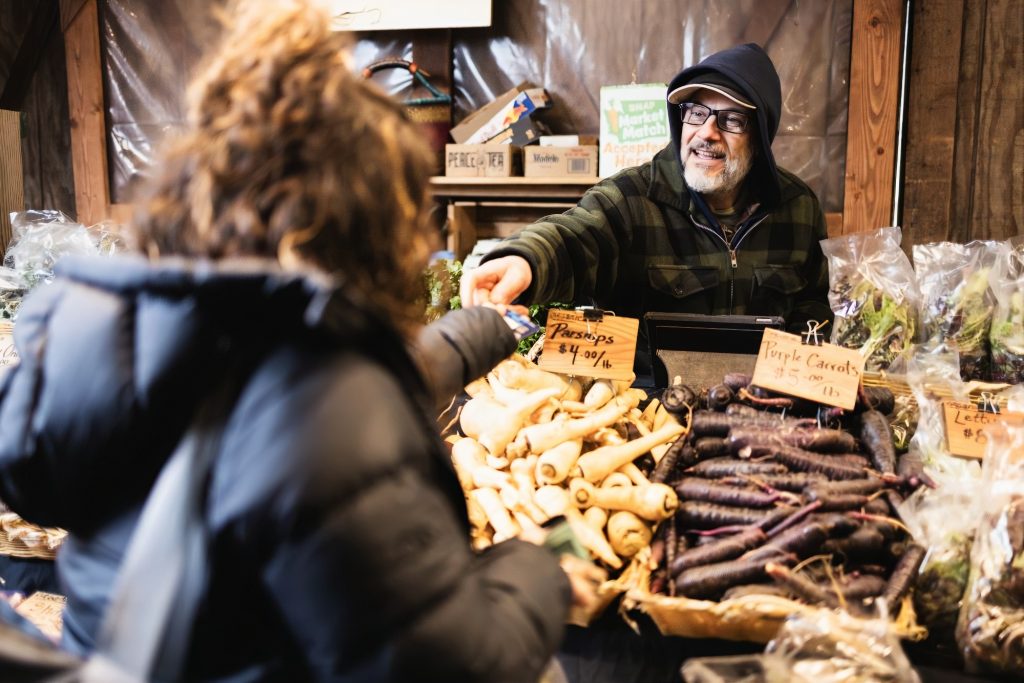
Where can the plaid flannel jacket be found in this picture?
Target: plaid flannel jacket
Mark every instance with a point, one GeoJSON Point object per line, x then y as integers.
{"type": "Point", "coordinates": [637, 242]}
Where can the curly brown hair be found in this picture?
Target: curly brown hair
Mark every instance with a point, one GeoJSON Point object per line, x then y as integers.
{"type": "Point", "coordinates": [290, 154]}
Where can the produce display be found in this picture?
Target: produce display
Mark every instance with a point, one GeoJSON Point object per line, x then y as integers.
{"type": "Point", "coordinates": [990, 630]}
{"type": "Point", "coordinates": [1007, 334]}
{"type": "Point", "coordinates": [874, 295]}
{"type": "Point", "coordinates": [776, 504]}
{"type": "Point", "coordinates": [535, 445]}
{"type": "Point", "coordinates": [957, 302]}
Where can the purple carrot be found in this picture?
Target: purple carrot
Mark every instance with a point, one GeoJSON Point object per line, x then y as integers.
{"type": "Point", "coordinates": [702, 515]}
{"type": "Point", "coordinates": [711, 580]}
{"type": "Point", "coordinates": [794, 482]}
{"type": "Point", "coordinates": [805, 461]}
{"type": "Point", "coordinates": [866, 543]}
{"type": "Point", "coordinates": [813, 439]}
{"type": "Point", "coordinates": [679, 454]}
{"type": "Point", "coordinates": [876, 435]}
{"type": "Point", "coordinates": [801, 586]}
{"type": "Point", "coordinates": [719, 550]}
{"type": "Point", "coordinates": [902, 575]}
{"type": "Point", "coordinates": [802, 540]}
{"type": "Point", "coordinates": [710, 447]}
{"type": "Point", "coordinates": [696, 488]}
{"type": "Point", "coordinates": [790, 520]}
{"type": "Point", "coordinates": [736, 380]}
{"type": "Point", "coordinates": [717, 468]}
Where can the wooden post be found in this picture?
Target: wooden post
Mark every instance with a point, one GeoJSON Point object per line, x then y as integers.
{"type": "Point", "coordinates": [12, 189]}
{"type": "Point", "coordinates": [80, 19]}
{"type": "Point", "coordinates": [871, 128]}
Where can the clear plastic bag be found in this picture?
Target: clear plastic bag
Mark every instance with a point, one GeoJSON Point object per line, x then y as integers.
{"type": "Point", "coordinates": [873, 294]}
{"type": "Point", "coordinates": [956, 300]}
{"type": "Point", "coordinates": [826, 647]}
{"type": "Point", "coordinates": [990, 630]}
{"type": "Point", "coordinates": [942, 520]}
{"type": "Point", "coordinates": [1007, 334]}
{"type": "Point", "coordinates": [40, 239]}
{"type": "Point", "coordinates": [934, 377]}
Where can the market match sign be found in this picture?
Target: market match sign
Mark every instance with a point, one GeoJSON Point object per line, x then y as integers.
{"type": "Point", "coordinates": [827, 374]}
{"type": "Point", "coordinates": [588, 343]}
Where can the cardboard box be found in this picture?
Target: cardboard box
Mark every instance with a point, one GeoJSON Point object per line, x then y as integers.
{"type": "Point", "coordinates": [634, 125]}
{"type": "Point", "coordinates": [490, 161]}
{"type": "Point", "coordinates": [560, 162]}
{"type": "Point", "coordinates": [567, 140]}
{"type": "Point", "coordinates": [502, 112]}
{"type": "Point", "coordinates": [523, 132]}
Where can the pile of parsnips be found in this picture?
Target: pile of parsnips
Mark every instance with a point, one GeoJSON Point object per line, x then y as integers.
{"type": "Point", "coordinates": [539, 444]}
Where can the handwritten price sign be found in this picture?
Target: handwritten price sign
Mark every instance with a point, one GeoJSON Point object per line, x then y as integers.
{"type": "Point", "coordinates": [967, 427]}
{"type": "Point", "coordinates": [827, 374]}
{"type": "Point", "coordinates": [8, 352]}
{"type": "Point", "coordinates": [603, 346]}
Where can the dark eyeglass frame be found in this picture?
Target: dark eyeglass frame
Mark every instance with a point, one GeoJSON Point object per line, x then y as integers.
{"type": "Point", "coordinates": [687, 108]}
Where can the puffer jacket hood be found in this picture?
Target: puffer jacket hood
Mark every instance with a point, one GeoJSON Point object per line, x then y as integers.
{"type": "Point", "coordinates": [751, 70]}
{"type": "Point", "coordinates": [142, 343]}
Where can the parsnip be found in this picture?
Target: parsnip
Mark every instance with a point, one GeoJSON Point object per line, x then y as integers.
{"type": "Point", "coordinates": [627, 533]}
{"type": "Point", "coordinates": [494, 425]}
{"type": "Point", "coordinates": [554, 500]}
{"type": "Point", "coordinates": [518, 373]}
{"type": "Point", "coordinates": [539, 438]}
{"type": "Point", "coordinates": [633, 472]}
{"type": "Point", "coordinates": [554, 464]}
{"type": "Point", "coordinates": [616, 479]}
{"type": "Point", "coordinates": [469, 458]}
{"type": "Point", "coordinates": [653, 502]}
{"type": "Point", "coordinates": [600, 392]}
{"type": "Point", "coordinates": [596, 517]}
{"type": "Point", "coordinates": [497, 514]}
{"type": "Point", "coordinates": [598, 463]}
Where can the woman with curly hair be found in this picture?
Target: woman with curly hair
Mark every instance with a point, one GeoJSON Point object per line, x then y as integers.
{"type": "Point", "coordinates": [282, 241]}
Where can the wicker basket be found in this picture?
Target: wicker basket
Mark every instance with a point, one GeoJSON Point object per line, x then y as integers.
{"type": "Point", "coordinates": [19, 538]}
{"type": "Point", "coordinates": [754, 618]}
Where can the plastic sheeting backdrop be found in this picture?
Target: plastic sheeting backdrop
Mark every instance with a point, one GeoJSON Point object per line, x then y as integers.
{"type": "Point", "coordinates": [571, 47]}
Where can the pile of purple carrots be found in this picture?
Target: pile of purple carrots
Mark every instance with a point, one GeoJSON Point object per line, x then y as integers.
{"type": "Point", "coordinates": [779, 496]}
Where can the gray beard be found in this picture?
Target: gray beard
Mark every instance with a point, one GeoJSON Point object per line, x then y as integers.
{"type": "Point", "coordinates": [736, 169]}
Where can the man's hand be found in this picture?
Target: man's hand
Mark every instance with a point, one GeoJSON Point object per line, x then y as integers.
{"type": "Point", "coordinates": [585, 578]}
{"type": "Point", "coordinates": [498, 282]}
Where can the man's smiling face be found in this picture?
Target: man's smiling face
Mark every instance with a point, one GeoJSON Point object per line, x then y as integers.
{"type": "Point", "coordinates": [715, 162]}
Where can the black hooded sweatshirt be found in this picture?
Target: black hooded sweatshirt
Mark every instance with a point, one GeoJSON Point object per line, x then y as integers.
{"type": "Point", "coordinates": [752, 71]}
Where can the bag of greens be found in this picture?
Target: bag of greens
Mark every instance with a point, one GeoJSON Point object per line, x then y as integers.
{"type": "Point", "coordinates": [873, 294]}
{"type": "Point", "coordinates": [1007, 334]}
{"type": "Point", "coordinates": [956, 301]}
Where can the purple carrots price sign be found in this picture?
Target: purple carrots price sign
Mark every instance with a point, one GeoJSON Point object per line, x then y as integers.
{"type": "Point", "coordinates": [967, 427]}
{"type": "Point", "coordinates": [589, 343]}
{"type": "Point", "coordinates": [827, 374]}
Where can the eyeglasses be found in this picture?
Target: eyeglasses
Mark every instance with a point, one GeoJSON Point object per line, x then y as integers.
{"type": "Point", "coordinates": [726, 119]}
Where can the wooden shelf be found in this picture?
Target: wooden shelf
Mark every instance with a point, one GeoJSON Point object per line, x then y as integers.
{"type": "Point", "coordinates": [497, 207]}
{"type": "Point", "coordinates": [533, 189]}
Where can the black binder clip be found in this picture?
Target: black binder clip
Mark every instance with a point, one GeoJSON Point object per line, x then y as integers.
{"type": "Point", "coordinates": [591, 314]}
{"type": "Point", "coordinates": [988, 403]}
{"type": "Point", "coordinates": [811, 336]}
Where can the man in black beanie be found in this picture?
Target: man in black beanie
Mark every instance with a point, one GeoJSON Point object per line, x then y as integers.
{"type": "Point", "coordinates": [711, 225]}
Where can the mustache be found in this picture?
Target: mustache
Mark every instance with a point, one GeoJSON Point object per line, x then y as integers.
{"type": "Point", "coordinates": [707, 147]}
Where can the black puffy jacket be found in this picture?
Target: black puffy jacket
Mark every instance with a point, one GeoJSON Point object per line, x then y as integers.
{"type": "Point", "coordinates": [340, 543]}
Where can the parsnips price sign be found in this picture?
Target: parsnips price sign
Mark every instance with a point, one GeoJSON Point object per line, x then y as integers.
{"type": "Point", "coordinates": [589, 343]}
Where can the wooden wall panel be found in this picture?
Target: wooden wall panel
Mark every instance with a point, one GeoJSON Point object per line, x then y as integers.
{"type": "Point", "coordinates": [86, 111]}
{"type": "Point", "coordinates": [871, 132]}
{"type": "Point", "coordinates": [12, 196]}
{"type": "Point", "coordinates": [965, 150]}
{"type": "Point", "coordinates": [931, 120]}
{"type": "Point", "coordinates": [997, 182]}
